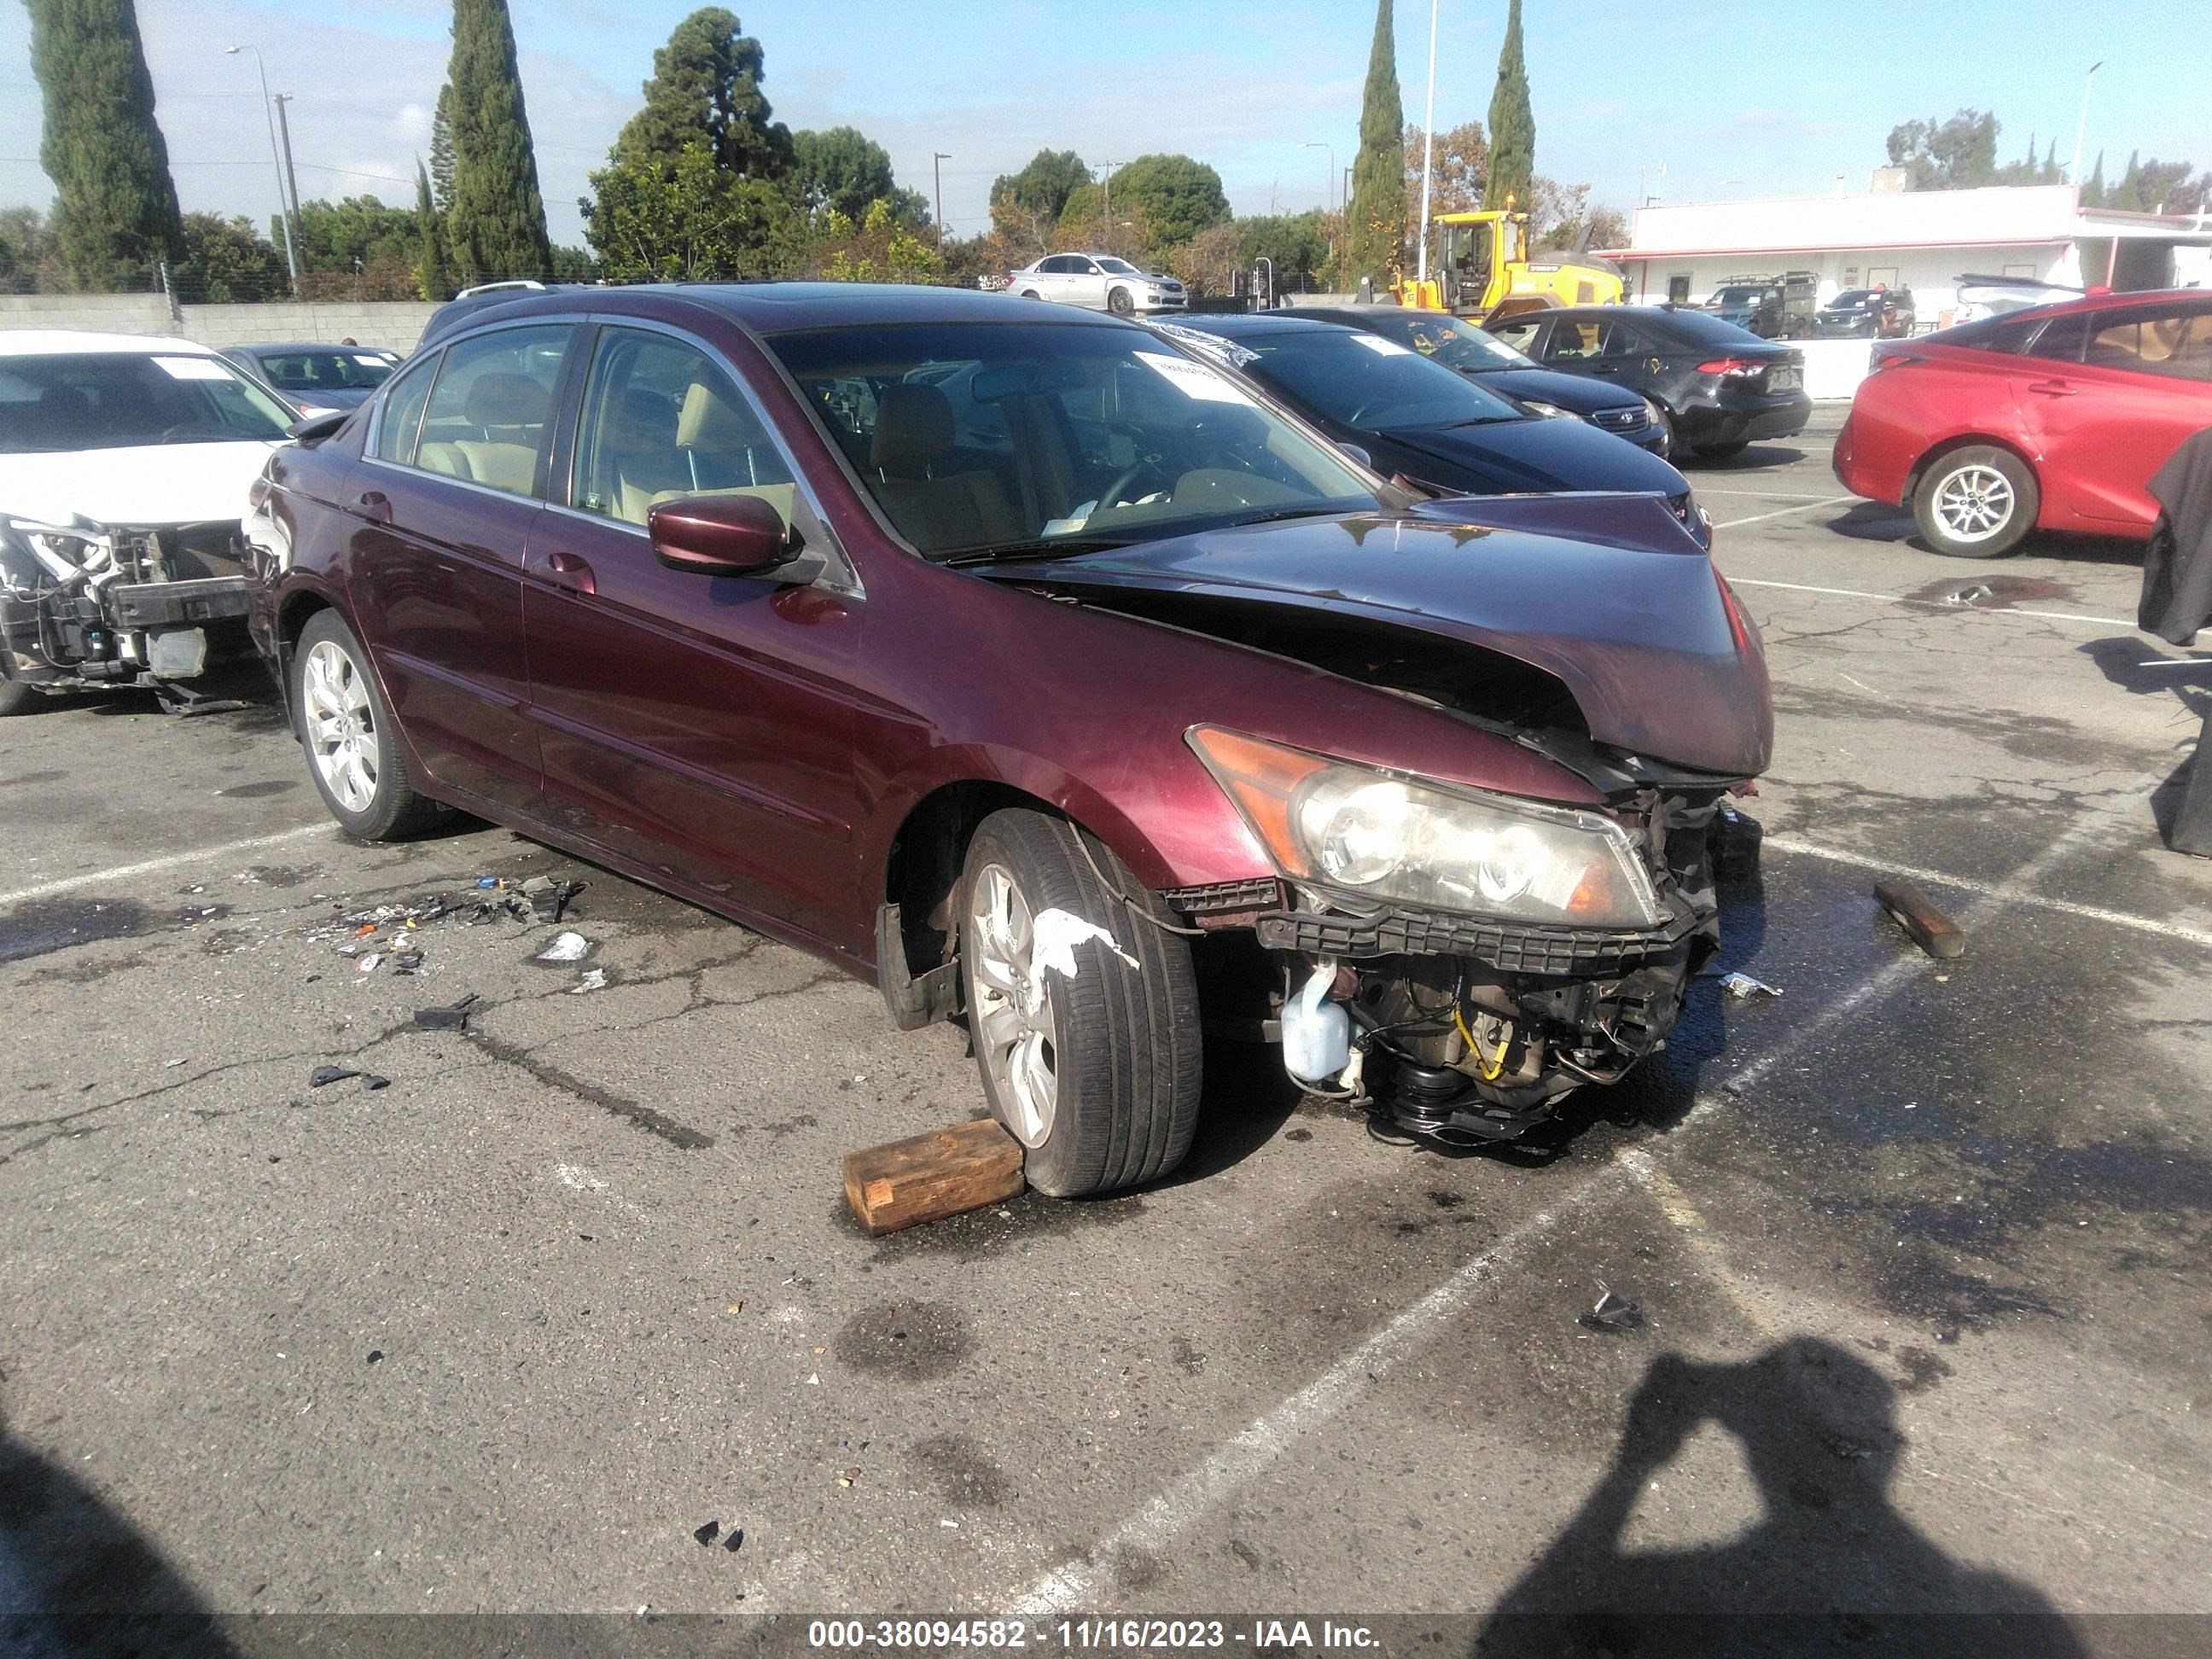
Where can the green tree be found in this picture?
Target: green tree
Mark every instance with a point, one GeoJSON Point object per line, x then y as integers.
{"type": "Point", "coordinates": [2128, 194]}
{"type": "Point", "coordinates": [1375, 239]}
{"type": "Point", "coordinates": [2050, 175]}
{"type": "Point", "coordinates": [1176, 196]}
{"type": "Point", "coordinates": [1294, 243]}
{"type": "Point", "coordinates": [574, 265]}
{"type": "Point", "coordinates": [225, 262]}
{"type": "Point", "coordinates": [2093, 194]}
{"type": "Point", "coordinates": [1042, 187]}
{"type": "Point", "coordinates": [690, 220]}
{"type": "Point", "coordinates": [1958, 153]}
{"type": "Point", "coordinates": [2169, 187]}
{"type": "Point", "coordinates": [1457, 169]}
{"type": "Point", "coordinates": [497, 217]}
{"type": "Point", "coordinates": [1512, 123]}
{"type": "Point", "coordinates": [432, 279]}
{"type": "Point", "coordinates": [441, 151]}
{"type": "Point", "coordinates": [845, 171]}
{"type": "Point", "coordinates": [334, 236]}
{"type": "Point", "coordinates": [881, 248]}
{"type": "Point", "coordinates": [115, 205]}
{"type": "Point", "coordinates": [27, 256]}
{"type": "Point", "coordinates": [706, 90]}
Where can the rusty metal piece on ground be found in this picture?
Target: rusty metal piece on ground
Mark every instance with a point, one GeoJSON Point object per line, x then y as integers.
{"type": "Point", "coordinates": [1931, 930]}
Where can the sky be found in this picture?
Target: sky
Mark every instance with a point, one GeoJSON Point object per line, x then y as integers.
{"type": "Point", "coordinates": [1688, 102]}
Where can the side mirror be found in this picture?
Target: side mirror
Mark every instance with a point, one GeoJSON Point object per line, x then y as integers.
{"type": "Point", "coordinates": [719, 535]}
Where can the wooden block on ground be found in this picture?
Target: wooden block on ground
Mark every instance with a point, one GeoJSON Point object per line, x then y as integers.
{"type": "Point", "coordinates": [931, 1176]}
{"type": "Point", "coordinates": [1933, 931]}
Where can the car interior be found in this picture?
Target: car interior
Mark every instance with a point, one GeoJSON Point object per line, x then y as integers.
{"type": "Point", "coordinates": [488, 409]}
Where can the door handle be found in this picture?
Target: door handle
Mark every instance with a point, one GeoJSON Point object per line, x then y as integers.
{"type": "Point", "coordinates": [373, 505]}
{"type": "Point", "coordinates": [2051, 388]}
{"type": "Point", "coordinates": [567, 570]}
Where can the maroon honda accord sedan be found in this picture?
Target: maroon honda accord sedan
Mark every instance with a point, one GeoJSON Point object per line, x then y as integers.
{"type": "Point", "coordinates": [1049, 676]}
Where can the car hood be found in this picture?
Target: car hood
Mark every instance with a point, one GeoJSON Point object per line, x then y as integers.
{"type": "Point", "coordinates": [1550, 455]}
{"type": "Point", "coordinates": [1571, 393]}
{"type": "Point", "coordinates": [160, 483]}
{"type": "Point", "coordinates": [1605, 593]}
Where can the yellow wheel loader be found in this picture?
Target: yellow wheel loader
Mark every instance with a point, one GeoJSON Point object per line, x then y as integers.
{"type": "Point", "coordinates": [1480, 267]}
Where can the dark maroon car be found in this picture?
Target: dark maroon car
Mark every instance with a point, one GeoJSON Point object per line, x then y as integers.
{"type": "Point", "coordinates": [1061, 684]}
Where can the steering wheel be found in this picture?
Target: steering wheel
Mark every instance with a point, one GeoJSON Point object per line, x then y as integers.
{"type": "Point", "coordinates": [1117, 494]}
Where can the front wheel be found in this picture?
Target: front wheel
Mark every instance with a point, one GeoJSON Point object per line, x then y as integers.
{"type": "Point", "coordinates": [16, 698]}
{"type": "Point", "coordinates": [1976, 503]}
{"type": "Point", "coordinates": [1084, 1017]}
{"type": "Point", "coordinates": [1121, 303]}
{"type": "Point", "coordinates": [344, 726]}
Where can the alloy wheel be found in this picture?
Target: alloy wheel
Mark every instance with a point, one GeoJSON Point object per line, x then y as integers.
{"type": "Point", "coordinates": [1015, 1035]}
{"type": "Point", "coordinates": [1974, 503]}
{"type": "Point", "coordinates": [342, 736]}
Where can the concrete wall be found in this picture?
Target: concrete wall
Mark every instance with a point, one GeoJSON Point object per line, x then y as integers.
{"type": "Point", "coordinates": [396, 324]}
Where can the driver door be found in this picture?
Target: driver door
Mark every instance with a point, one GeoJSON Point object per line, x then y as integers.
{"type": "Point", "coordinates": [1086, 286]}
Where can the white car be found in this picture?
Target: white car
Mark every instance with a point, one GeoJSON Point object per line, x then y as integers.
{"type": "Point", "coordinates": [1098, 282]}
{"type": "Point", "coordinates": [126, 465]}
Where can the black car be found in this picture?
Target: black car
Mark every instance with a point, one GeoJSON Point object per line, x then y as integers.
{"type": "Point", "coordinates": [318, 379]}
{"type": "Point", "coordinates": [1866, 313]}
{"type": "Point", "coordinates": [1719, 387]}
{"type": "Point", "coordinates": [1417, 420]}
{"type": "Point", "coordinates": [1458, 345]}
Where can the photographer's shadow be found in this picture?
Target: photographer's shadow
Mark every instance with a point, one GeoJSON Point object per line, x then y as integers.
{"type": "Point", "coordinates": [1828, 1566]}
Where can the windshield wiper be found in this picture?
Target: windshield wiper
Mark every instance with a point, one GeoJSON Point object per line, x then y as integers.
{"type": "Point", "coordinates": [1041, 546]}
{"type": "Point", "coordinates": [1272, 514]}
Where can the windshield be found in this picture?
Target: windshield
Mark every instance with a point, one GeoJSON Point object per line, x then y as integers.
{"type": "Point", "coordinates": [1365, 381]}
{"type": "Point", "coordinates": [1452, 341]}
{"type": "Point", "coordinates": [326, 371]}
{"type": "Point", "coordinates": [1737, 296]}
{"type": "Point", "coordinates": [981, 437]}
{"type": "Point", "coordinates": [128, 400]}
{"type": "Point", "coordinates": [1118, 267]}
{"type": "Point", "coordinates": [1851, 296]}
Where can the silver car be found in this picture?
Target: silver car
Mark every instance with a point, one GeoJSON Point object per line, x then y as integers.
{"type": "Point", "coordinates": [1097, 282]}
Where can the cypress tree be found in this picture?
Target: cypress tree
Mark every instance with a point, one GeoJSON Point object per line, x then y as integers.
{"type": "Point", "coordinates": [115, 205]}
{"type": "Point", "coordinates": [430, 274]}
{"type": "Point", "coordinates": [441, 151]}
{"type": "Point", "coordinates": [2093, 194]}
{"type": "Point", "coordinates": [1374, 240]}
{"type": "Point", "coordinates": [2050, 173]}
{"type": "Point", "coordinates": [1512, 123]}
{"type": "Point", "coordinates": [2129, 192]}
{"type": "Point", "coordinates": [706, 90]}
{"type": "Point", "coordinates": [497, 218]}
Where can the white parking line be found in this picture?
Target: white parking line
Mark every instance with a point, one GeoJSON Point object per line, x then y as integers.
{"type": "Point", "coordinates": [1937, 604]}
{"type": "Point", "coordinates": [150, 867]}
{"type": "Point", "coordinates": [1162, 1522]}
{"type": "Point", "coordinates": [2010, 892]}
{"type": "Point", "coordinates": [1784, 511]}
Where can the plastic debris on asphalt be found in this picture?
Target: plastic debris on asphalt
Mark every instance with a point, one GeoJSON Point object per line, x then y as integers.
{"type": "Point", "coordinates": [1611, 1312]}
{"type": "Point", "coordinates": [566, 947]}
{"type": "Point", "coordinates": [594, 979]}
{"type": "Point", "coordinates": [708, 1534]}
{"type": "Point", "coordinates": [454, 1019]}
{"type": "Point", "coordinates": [324, 1075]}
{"type": "Point", "coordinates": [1742, 988]}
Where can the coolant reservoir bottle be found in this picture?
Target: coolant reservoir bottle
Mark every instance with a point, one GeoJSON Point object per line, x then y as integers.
{"type": "Point", "coordinates": [1316, 1032]}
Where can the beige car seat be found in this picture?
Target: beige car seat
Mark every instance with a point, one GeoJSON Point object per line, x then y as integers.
{"type": "Point", "coordinates": [509, 413]}
{"type": "Point", "coordinates": [713, 441]}
{"type": "Point", "coordinates": [913, 438]}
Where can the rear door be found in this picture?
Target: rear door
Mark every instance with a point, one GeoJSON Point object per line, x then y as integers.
{"type": "Point", "coordinates": [443, 501]}
{"type": "Point", "coordinates": [2105, 397]}
{"type": "Point", "coordinates": [698, 726]}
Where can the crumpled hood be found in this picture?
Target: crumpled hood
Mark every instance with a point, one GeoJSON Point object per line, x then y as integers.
{"type": "Point", "coordinates": [1605, 592]}
{"type": "Point", "coordinates": [163, 484]}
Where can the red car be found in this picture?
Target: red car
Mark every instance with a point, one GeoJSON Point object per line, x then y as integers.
{"type": "Point", "coordinates": [1055, 681]}
{"type": "Point", "coordinates": [2052, 418]}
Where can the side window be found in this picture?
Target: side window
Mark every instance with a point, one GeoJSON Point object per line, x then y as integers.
{"type": "Point", "coordinates": [2062, 337]}
{"type": "Point", "coordinates": [1573, 339]}
{"type": "Point", "coordinates": [663, 419]}
{"type": "Point", "coordinates": [490, 411]}
{"type": "Point", "coordinates": [1521, 337]}
{"type": "Point", "coordinates": [2165, 343]}
{"type": "Point", "coordinates": [402, 412]}
{"type": "Point", "coordinates": [1622, 341]}
{"type": "Point", "coordinates": [1055, 266]}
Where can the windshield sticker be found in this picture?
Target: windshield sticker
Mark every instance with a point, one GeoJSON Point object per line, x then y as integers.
{"type": "Point", "coordinates": [370, 360]}
{"type": "Point", "coordinates": [1212, 345]}
{"type": "Point", "coordinates": [193, 369]}
{"type": "Point", "coordinates": [1195, 379]}
{"type": "Point", "coordinates": [1387, 348]}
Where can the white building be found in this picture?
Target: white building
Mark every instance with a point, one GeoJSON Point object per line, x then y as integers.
{"type": "Point", "coordinates": [1924, 240]}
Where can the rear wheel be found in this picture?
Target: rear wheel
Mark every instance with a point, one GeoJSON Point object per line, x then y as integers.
{"type": "Point", "coordinates": [1976, 502]}
{"type": "Point", "coordinates": [353, 750]}
{"type": "Point", "coordinates": [1095, 1071]}
{"type": "Point", "coordinates": [1031, 293]}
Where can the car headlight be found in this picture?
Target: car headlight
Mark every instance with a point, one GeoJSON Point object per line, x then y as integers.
{"type": "Point", "coordinates": [1549, 411]}
{"type": "Point", "coordinates": [1385, 836]}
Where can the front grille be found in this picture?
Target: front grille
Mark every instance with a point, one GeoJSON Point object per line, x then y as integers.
{"type": "Point", "coordinates": [1508, 947]}
{"type": "Point", "coordinates": [1621, 419]}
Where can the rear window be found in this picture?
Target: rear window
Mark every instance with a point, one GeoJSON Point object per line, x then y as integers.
{"type": "Point", "coordinates": [1698, 329]}
{"type": "Point", "coordinates": [1365, 381]}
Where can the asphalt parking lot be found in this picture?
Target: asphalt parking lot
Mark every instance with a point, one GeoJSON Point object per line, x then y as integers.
{"type": "Point", "coordinates": [1920, 1249]}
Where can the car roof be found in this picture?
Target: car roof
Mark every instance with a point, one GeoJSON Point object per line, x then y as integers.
{"type": "Point", "coordinates": [2109, 302]}
{"type": "Point", "coordinates": [54, 342]}
{"type": "Point", "coordinates": [781, 307]}
{"type": "Point", "coordinates": [1236, 325]}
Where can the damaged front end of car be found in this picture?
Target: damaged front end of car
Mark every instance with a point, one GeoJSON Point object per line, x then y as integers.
{"type": "Point", "coordinates": [85, 604]}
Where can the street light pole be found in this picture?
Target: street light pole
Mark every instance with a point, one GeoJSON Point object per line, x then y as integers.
{"type": "Point", "coordinates": [2081, 127]}
{"type": "Point", "coordinates": [291, 179]}
{"type": "Point", "coordinates": [1106, 171]}
{"type": "Point", "coordinates": [1328, 184]}
{"type": "Point", "coordinates": [1428, 151]}
{"type": "Point", "coordinates": [283, 216]}
{"type": "Point", "coordinates": [937, 189]}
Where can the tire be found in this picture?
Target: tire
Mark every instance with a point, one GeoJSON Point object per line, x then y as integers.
{"type": "Point", "coordinates": [361, 776]}
{"type": "Point", "coordinates": [1673, 446]}
{"type": "Point", "coordinates": [1120, 303]}
{"type": "Point", "coordinates": [16, 698]}
{"type": "Point", "coordinates": [1099, 1078]}
{"type": "Point", "coordinates": [1721, 451]}
{"type": "Point", "coordinates": [1976, 502]}
{"type": "Point", "coordinates": [1031, 293]}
